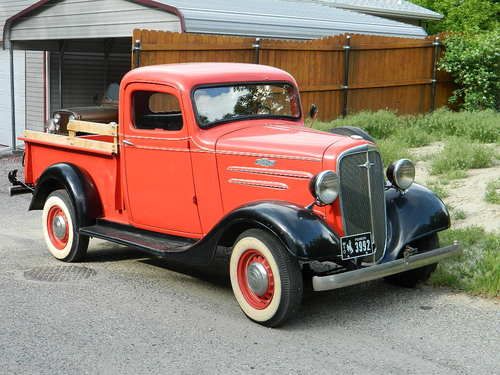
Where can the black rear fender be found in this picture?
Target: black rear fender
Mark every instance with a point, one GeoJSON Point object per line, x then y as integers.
{"type": "Point", "coordinates": [77, 183]}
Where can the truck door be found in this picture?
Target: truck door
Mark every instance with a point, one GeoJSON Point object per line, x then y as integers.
{"type": "Point", "coordinates": [157, 162]}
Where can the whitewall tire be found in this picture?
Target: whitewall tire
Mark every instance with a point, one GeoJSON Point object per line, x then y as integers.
{"type": "Point", "coordinates": [60, 228]}
{"type": "Point", "coordinates": [266, 279]}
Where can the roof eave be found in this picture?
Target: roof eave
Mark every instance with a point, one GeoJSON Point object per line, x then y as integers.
{"type": "Point", "coordinates": [388, 12]}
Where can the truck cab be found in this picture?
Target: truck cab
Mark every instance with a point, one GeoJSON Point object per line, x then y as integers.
{"type": "Point", "coordinates": [212, 155]}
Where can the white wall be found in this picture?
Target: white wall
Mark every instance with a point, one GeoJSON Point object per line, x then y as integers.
{"type": "Point", "coordinates": [5, 99]}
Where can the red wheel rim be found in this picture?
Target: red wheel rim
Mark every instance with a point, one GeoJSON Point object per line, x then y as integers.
{"type": "Point", "coordinates": [59, 240]}
{"type": "Point", "coordinates": [258, 302]}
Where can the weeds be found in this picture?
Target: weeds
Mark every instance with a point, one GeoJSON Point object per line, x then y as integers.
{"type": "Point", "coordinates": [477, 269]}
{"type": "Point", "coordinates": [459, 155]}
{"type": "Point", "coordinates": [493, 192]}
{"type": "Point", "coordinates": [439, 189]}
{"type": "Point", "coordinates": [419, 130]}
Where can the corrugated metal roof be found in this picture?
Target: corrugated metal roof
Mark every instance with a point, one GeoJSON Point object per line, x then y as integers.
{"type": "Point", "coordinates": [9, 7]}
{"type": "Point", "coordinates": [400, 8]}
{"type": "Point", "coordinates": [283, 19]}
{"type": "Point", "coordinates": [288, 19]}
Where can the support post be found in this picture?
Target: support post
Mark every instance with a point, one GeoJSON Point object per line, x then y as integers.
{"type": "Point", "coordinates": [60, 73]}
{"type": "Point", "coordinates": [435, 55]}
{"type": "Point", "coordinates": [12, 98]}
{"type": "Point", "coordinates": [256, 46]}
{"type": "Point", "coordinates": [136, 51]}
{"type": "Point", "coordinates": [345, 86]}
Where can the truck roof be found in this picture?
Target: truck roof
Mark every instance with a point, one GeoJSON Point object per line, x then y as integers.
{"type": "Point", "coordinates": [187, 75]}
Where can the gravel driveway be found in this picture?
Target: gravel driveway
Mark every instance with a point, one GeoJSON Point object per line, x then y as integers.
{"type": "Point", "coordinates": [128, 314]}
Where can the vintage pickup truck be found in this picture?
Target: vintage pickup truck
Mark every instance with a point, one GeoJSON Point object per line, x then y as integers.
{"type": "Point", "coordinates": [215, 155]}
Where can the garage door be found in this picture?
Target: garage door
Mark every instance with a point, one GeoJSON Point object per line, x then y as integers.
{"type": "Point", "coordinates": [5, 113]}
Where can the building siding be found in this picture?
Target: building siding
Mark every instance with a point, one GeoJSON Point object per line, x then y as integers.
{"type": "Point", "coordinates": [77, 19]}
{"type": "Point", "coordinates": [5, 104]}
{"type": "Point", "coordinates": [8, 8]}
{"type": "Point", "coordinates": [35, 90]}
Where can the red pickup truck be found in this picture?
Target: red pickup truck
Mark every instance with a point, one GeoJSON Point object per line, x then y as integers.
{"type": "Point", "coordinates": [217, 155]}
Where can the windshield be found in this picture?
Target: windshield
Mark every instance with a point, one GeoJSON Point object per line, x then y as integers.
{"type": "Point", "coordinates": [241, 101]}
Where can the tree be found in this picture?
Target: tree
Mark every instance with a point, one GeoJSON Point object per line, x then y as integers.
{"type": "Point", "coordinates": [472, 46]}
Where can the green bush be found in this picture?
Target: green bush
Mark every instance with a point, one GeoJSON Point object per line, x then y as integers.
{"type": "Point", "coordinates": [477, 269]}
{"type": "Point", "coordinates": [473, 61]}
{"type": "Point", "coordinates": [460, 154]}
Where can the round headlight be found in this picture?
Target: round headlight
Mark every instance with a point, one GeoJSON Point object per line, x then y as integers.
{"type": "Point", "coordinates": [325, 187]}
{"type": "Point", "coordinates": [57, 118]}
{"type": "Point", "coordinates": [401, 174]}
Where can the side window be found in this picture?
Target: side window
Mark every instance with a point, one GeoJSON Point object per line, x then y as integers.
{"type": "Point", "coordinates": [156, 110]}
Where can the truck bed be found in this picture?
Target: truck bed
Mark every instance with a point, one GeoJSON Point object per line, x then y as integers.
{"type": "Point", "coordinates": [94, 154]}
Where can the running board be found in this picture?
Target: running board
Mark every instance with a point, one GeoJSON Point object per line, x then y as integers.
{"type": "Point", "coordinates": [151, 242]}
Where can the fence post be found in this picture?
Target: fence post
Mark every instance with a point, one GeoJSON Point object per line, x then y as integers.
{"type": "Point", "coordinates": [256, 46]}
{"type": "Point", "coordinates": [435, 56]}
{"type": "Point", "coordinates": [136, 51]}
{"type": "Point", "coordinates": [345, 86]}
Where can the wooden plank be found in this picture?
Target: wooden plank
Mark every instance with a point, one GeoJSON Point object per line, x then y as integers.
{"type": "Point", "coordinates": [153, 47]}
{"type": "Point", "coordinates": [92, 128]}
{"type": "Point", "coordinates": [62, 140]}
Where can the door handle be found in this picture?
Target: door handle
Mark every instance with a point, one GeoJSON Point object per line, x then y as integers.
{"type": "Point", "coordinates": [128, 143]}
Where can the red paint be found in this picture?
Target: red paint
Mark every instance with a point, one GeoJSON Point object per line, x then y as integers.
{"type": "Point", "coordinates": [59, 243]}
{"type": "Point", "coordinates": [183, 182]}
{"type": "Point", "coordinates": [257, 302]}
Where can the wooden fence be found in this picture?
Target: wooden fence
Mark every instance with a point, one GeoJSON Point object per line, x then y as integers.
{"type": "Point", "coordinates": [341, 74]}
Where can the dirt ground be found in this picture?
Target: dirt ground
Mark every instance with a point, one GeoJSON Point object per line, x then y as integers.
{"type": "Point", "coordinates": [464, 194]}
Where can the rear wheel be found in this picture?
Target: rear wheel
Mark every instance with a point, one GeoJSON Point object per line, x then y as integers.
{"type": "Point", "coordinates": [410, 279]}
{"type": "Point", "coordinates": [266, 279]}
{"type": "Point", "coordinates": [60, 228]}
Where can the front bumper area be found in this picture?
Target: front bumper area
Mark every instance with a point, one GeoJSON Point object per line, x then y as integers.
{"type": "Point", "coordinates": [378, 271]}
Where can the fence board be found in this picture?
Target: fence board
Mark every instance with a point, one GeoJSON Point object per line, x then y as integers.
{"type": "Point", "coordinates": [383, 72]}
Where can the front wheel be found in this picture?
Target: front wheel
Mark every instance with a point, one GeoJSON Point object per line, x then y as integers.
{"type": "Point", "coordinates": [60, 228]}
{"type": "Point", "coordinates": [266, 279]}
{"type": "Point", "coordinates": [410, 279]}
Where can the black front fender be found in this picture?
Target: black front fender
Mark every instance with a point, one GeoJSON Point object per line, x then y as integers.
{"type": "Point", "coordinates": [302, 232]}
{"type": "Point", "coordinates": [417, 213]}
{"type": "Point", "coordinates": [77, 183]}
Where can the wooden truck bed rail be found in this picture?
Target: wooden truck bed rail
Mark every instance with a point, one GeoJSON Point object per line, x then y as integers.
{"type": "Point", "coordinates": [80, 142]}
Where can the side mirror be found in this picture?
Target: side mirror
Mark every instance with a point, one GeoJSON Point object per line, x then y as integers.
{"type": "Point", "coordinates": [313, 112]}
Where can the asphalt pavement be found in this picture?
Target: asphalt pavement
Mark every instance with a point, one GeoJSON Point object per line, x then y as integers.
{"type": "Point", "coordinates": [121, 312]}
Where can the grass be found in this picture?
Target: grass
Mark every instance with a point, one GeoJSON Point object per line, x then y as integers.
{"type": "Point", "coordinates": [458, 214]}
{"type": "Point", "coordinates": [395, 135]}
{"type": "Point", "coordinates": [477, 269]}
{"type": "Point", "coordinates": [439, 189]}
{"type": "Point", "coordinates": [459, 155]}
{"type": "Point", "coordinates": [492, 194]}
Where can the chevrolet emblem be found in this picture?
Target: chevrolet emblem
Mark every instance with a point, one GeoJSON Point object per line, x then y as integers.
{"type": "Point", "coordinates": [265, 162]}
{"type": "Point", "coordinates": [367, 165]}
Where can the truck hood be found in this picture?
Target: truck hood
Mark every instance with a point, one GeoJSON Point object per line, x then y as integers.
{"type": "Point", "coordinates": [286, 141]}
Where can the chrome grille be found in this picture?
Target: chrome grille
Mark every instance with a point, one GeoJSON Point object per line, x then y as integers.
{"type": "Point", "coordinates": [362, 196]}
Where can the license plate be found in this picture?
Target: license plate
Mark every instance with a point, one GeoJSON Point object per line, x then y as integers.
{"type": "Point", "coordinates": [358, 245]}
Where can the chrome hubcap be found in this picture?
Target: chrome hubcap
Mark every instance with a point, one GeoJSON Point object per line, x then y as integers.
{"type": "Point", "coordinates": [59, 227]}
{"type": "Point", "coordinates": [257, 278]}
